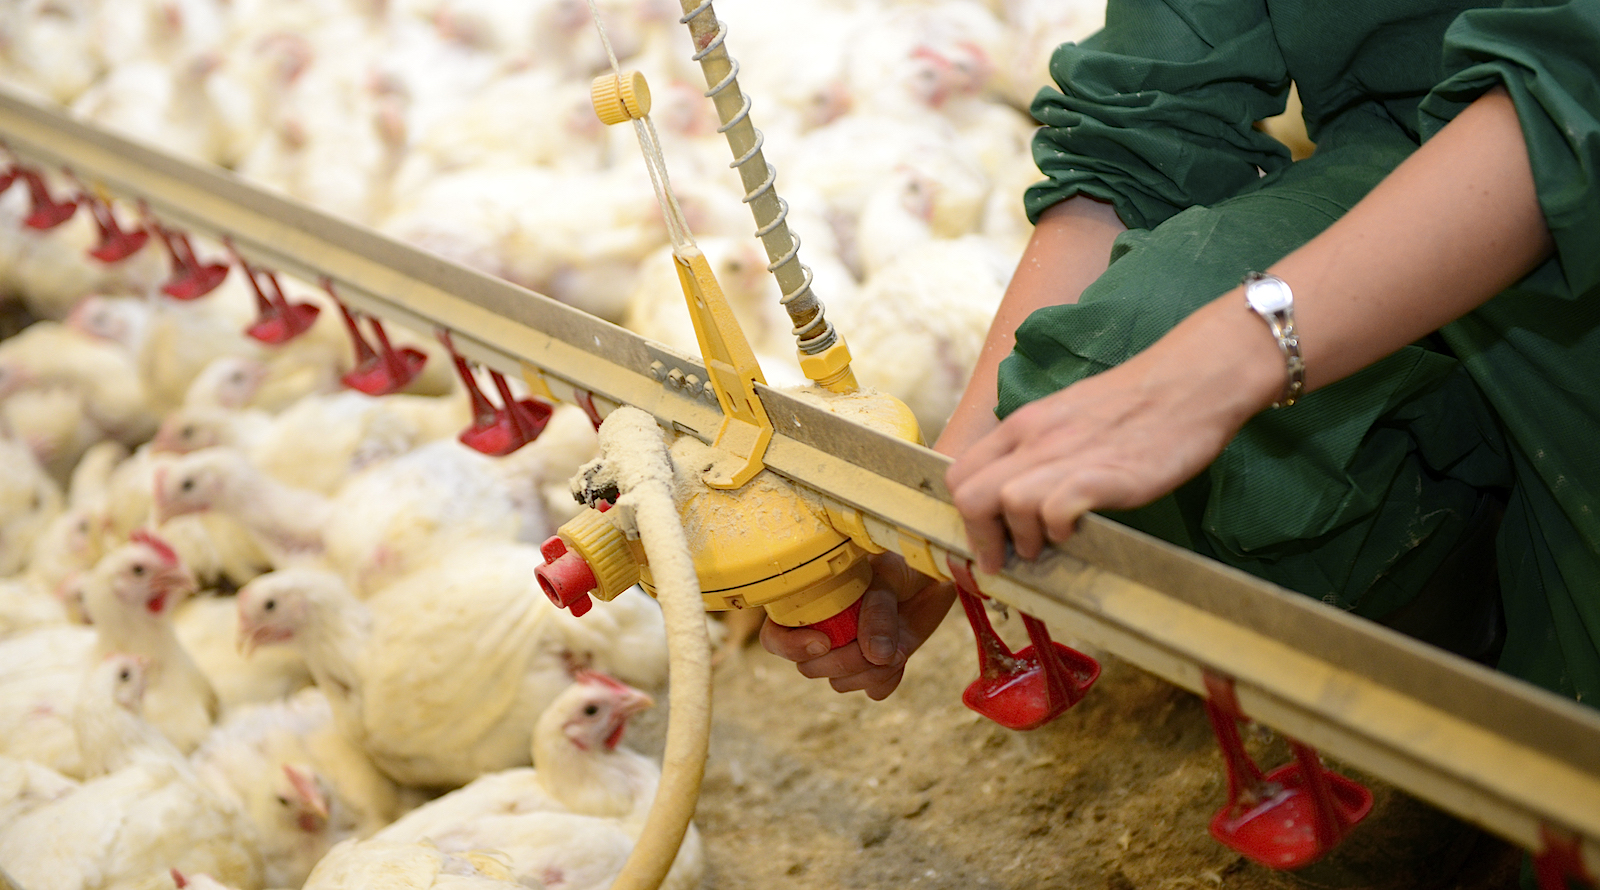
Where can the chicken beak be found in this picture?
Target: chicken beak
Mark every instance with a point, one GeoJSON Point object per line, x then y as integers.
{"type": "Point", "coordinates": [310, 794]}
{"type": "Point", "coordinates": [629, 701]}
{"type": "Point", "coordinates": [171, 585]}
{"type": "Point", "coordinates": [159, 506]}
{"type": "Point", "coordinates": [633, 701]}
{"type": "Point", "coordinates": [165, 441]}
{"type": "Point", "coordinates": [245, 642]}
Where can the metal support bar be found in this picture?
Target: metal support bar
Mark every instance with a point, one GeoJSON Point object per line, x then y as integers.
{"type": "Point", "coordinates": [1495, 751]}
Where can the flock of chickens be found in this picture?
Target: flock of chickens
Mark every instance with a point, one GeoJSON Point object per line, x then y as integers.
{"type": "Point", "coordinates": [262, 630]}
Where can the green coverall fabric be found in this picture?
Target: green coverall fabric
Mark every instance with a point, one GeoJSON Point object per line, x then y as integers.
{"type": "Point", "coordinates": [1357, 493]}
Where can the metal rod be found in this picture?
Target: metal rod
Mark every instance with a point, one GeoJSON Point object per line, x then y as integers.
{"type": "Point", "coordinates": [1495, 751]}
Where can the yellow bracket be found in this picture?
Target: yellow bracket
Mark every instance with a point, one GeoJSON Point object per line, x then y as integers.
{"type": "Point", "coordinates": [538, 386]}
{"type": "Point", "coordinates": [731, 364]}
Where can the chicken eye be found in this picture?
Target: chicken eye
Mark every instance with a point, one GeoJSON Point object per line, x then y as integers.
{"type": "Point", "coordinates": [188, 485]}
{"type": "Point", "coordinates": [591, 710]}
{"type": "Point", "coordinates": [187, 432]}
{"type": "Point", "coordinates": [269, 605]}
{"type": "Point", "coordinates": [283, 801]}
{"type": "Point", "coordinates": [124, 675]}
{"type": "Point", "coordinates": [138, 569]}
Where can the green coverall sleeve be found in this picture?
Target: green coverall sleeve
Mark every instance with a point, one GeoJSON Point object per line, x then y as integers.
{"type": "Point", "coordinates": [1548, 57]}
{"type": "Point", "coordinates": [1155, 112]}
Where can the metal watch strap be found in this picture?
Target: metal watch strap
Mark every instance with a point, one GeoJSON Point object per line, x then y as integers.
{"type": "Point", "coordinates": [1282, 324]}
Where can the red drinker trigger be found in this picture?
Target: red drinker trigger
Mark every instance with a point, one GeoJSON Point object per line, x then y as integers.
{"type": "Point", "coordinates": [1019, 690]}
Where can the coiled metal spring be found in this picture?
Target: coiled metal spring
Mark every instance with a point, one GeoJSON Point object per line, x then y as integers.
{"type": "Point", "coordinates": [812, 331]}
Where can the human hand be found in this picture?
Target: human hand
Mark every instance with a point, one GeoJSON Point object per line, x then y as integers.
{"type": "Point", "coordinates": [1119, 439]}
{"type": "Point", "coordinates": [899, 611]}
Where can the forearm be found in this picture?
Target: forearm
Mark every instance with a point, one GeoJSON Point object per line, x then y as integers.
{"type": "Point", "coordinates": [1452, 226]}
{"type": "Point", "coordinates": [1069, 249]}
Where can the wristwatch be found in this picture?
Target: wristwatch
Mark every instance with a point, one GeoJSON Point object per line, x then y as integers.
{"type": "Point", "coordinates": [1269, 297]}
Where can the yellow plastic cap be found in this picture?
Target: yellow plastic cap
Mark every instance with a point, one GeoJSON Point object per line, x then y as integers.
{"type": "Point", "coordinates": [603, 546]}
{"type": "Point", "coordinates": [617, 99]}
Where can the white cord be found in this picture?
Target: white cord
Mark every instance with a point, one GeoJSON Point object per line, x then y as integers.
{"type": "Point", "coordinates": [654, 161]}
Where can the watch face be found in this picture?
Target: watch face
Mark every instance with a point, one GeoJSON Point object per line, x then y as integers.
{"type": "Point", "coordinates": [1268, 295]}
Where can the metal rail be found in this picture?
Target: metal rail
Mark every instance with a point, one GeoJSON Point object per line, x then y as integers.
{"type": "Point", "coordinates": [1514, 759]}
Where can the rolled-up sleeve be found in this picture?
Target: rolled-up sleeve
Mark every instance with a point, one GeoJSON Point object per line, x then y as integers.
{"type": "Point", "coordinates": [1548, 58]}
{"type": "Point", "coordinates": [1156, 112]}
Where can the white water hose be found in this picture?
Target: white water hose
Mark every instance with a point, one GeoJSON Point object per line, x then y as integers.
{"type": "Point", "coordinates": [634, 450]}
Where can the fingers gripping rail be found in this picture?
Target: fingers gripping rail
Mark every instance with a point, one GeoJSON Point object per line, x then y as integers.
{"type": "Point", "coordinates": [1521, 762]}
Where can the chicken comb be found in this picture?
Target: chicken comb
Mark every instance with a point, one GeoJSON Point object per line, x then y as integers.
{"type": "Point", "coordinates": [590, 675]}
{"type": "Point", "coordinates": [179, 879]}
{"type": "Point", "coordinates": [150, 539]}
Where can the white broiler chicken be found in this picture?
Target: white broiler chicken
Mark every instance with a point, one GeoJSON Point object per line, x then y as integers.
{"type": "Point", "coordinates": [53, 354]}
{"type": "Point", "coordinates": [213, 545]}
{"type": "Point", "coordinates": [40, 673]}
{"type": "Point", "coordinates": [59, 546]}
{"type": "Point", "coordinates": [30, 499]}
{"type": "Point", "coordinates": [49, 269]}
{"type": "Point", "coordinates": [913, 206]}
{"type": "Point", "coordinates": [303, 784]}
{"type": "Point", "coordinates": [63, 554]}
{"type": "Point", "coordinates": [70, 542]}
{"type": "Point", "coordinates": [857, 156]}
{"type": "Point", "coordinates": [354, 864]}
{"type": "Point", "coordinates": [389, 519]}
{"type": "Point", "coordinates": [53, 421]}
{"type": "Point", "coordinates": [278, 376]}
{"type": "Point", "coordinates": [140, 29]}
{"type": "Point", "coordinates": [130, 596]}
{"type": "Point", "coordinates": [227, 382]}
{"type": "Point", "coordinates": [25, 607]}
{"type": "Point", "coordinates": [571, 819]}
{"type": "Point", "coordinates": [531, 117]}
{"type": "Point", "coordinates": [127, 594]}
{"type": "Point", "coordinates": [441, 676]}
{"type": "Point", "coordinates": [170, 341]}
{"type": "Point", "coordinates": [155, 102]}
{"type": "Point", "coordinates": [319, 442]}
{"type": "Point", "coordinates": [205, 627]}
{"type": "Point", "coordinates": [794, 59]}
{"type": "Point", "coordinates": [335, 142]}
{"type": "Point", "coordinates": [1034, 28]}
{"type": "Point", "coordinates": [916, 327]}
{"type": "Point", "coordinates": [58, 59]}
{"type": "Point", "coordinates": [144, 815]}
{"type": "Point", "coordinates": [579, 243]}
{"type": "Point", "coordinates": [25, 786]}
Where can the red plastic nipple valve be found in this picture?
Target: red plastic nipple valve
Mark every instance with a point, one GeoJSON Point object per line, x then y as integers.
{"type": "Point", "coordinates": [1560, 861]}
{"type": "Point", "coordinates": [381, 370]}
{"type": "Point", "coordinates": [277, 320]}
{"type": "Point", "coordinates": [190, 279]}
{"type": "Point", "coordinates": [1020, 690]}
{"type": "Point", "coordinates": [1285, 819]}
{"type": "Point", "coordinates": [565, 577]}
{"type": "Point", "coordinates": [116, 244]}
{"type": "Point", "coordinates": [497, 431]}
{"type": "Point", "coordinates": [46, 212]}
